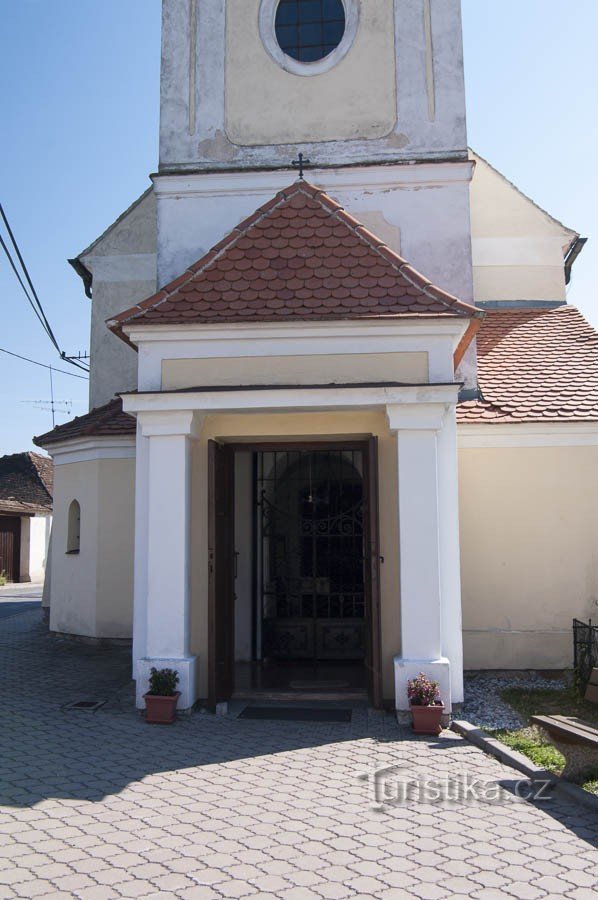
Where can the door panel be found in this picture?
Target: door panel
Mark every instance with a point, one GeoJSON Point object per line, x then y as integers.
{"type": "Point", "coordinates": [10, 547]}
{"type": "Point", "coordinates": [221, 606]}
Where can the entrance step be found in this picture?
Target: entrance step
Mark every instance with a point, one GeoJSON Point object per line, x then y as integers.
{"type": "Point", "coordinates": [255, 694]}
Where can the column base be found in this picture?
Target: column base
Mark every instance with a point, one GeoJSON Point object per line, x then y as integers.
{"type": "Point", "coordinates": [437, 669]}
{"type": "Point", "coordinates": [187, 669]}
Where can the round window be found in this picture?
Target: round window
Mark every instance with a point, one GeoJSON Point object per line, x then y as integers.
{"type": "Point", "coordinates": [309, 30]}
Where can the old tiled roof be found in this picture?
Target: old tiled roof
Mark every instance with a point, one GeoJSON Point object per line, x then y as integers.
{"type": "Point", "coordinates": [300, 256]}
{"type": "Point", "coordinates": [535, 365]}
{"type": "Point", "coordinates": [25, 483]}
{"type": "Point", "coordinates": [104, 420]}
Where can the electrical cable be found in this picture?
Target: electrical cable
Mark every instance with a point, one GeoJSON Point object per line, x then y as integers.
{"type": "Point", "coordinates": [43, 365]}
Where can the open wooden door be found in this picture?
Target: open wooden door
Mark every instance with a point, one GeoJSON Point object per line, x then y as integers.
{"type": "Point", "coordinates": [221, 602]}
{"type": "Point", "coordinates": [10, 547]}
{"type": "Point", "coordinates": [373, 654]}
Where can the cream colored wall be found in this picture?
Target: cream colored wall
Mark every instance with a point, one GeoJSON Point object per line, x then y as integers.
{"type": "Point", "coordinates": [116, 532]}
{"type": "Point", "coordinates": [92, 591]}
{"type": "Point", "coordinates": [529, 553]}
{"type": "Point", "coordinates": [518, 249]}
{"type": "Point", "coordinates": [330, 425]}
{"type": "Point", "coordinates": [354, 99]}
{"type": "Point", "coordinates": [73, 597]}
{"type": "Point", "coordinates": [411, 368]}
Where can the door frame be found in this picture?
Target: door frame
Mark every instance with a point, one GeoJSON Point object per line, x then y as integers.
{"type": "Point", "coordinates": [369, 448]}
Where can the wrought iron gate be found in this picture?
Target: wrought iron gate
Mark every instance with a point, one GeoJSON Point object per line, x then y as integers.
{"type": "Point", "coordinates": [310, 554]}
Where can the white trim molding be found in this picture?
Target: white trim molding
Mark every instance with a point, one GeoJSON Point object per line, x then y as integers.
{"type": "Point", "coordinates": [267, 26]}
{"type": "Point", "coordinates": [266, 183]}
{"type": "Point", "coordinates": [528, 434]}
{"type": "Point", "coordinates": [92, 448]}
{"type": "Point", "coordinates": [289, 399]}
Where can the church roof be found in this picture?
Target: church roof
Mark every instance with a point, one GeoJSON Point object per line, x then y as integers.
{"type": "Point", "coordinates": [105, 421]}
{"type": "Point", "coordinates": [300, 256]}
{"type": "Point", "coordinates": [26, 483]}
{"type": "Point", "coordinates": [535, 365]}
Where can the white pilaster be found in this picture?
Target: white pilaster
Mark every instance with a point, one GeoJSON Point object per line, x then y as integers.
{"type": "Point", "coordinates": [162, 569]}
{"type": "Point", "coordinates": [417, 428]}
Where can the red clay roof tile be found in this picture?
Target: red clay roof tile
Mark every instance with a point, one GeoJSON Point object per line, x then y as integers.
{"type": "Point", "coordinates": [303, 249]}
{"type": "Point", "coordinates": [104, 420]}
{"type": "Point", "coordinates": [535, 365]}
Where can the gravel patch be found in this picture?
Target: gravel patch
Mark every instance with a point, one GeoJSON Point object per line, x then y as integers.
{"type": "Point", "coordinates": [483, 705]}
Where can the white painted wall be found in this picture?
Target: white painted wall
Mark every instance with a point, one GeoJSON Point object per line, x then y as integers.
{"type": "Point", "coordinates": [39, 537]}
{"type": "Point", "coordinates": [123, 265]}
{"type": "Point", "coordinates": [426, 208]}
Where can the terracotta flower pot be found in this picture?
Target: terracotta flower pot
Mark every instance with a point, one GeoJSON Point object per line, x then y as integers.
{"type": "Point", "coordinates": [160, 710]}
{"type": "Point", "coordinates": [427, 719]}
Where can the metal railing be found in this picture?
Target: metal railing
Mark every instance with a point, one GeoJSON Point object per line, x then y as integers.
{"type": "Point", "coordinates": [585, 650]}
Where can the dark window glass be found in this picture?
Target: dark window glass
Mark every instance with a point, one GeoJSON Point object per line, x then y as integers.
{"type": "Point", "coordinates": [309, 30]}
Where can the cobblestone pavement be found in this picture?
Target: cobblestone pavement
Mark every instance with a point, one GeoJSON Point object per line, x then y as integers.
{"type": "Point", "coordinates": [103, 805]}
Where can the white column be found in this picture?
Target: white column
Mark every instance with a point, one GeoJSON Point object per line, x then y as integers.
{"type": "Point", "coordinates": [450, 554]}
{"type": "Point", "coordinates": [162, 568]}
{"type": "Point", "coordinates": [417, 428]}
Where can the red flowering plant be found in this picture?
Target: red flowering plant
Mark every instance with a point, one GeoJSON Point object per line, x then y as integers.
{"type": "Point", "coordinates": [422, 691]}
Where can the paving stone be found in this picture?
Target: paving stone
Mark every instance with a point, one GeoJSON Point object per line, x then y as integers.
{"type": "Point", "coordinates": [106, 806]}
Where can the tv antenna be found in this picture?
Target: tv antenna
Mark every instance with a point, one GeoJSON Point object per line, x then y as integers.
{"type": "Point", "coordinates": [52, 405]}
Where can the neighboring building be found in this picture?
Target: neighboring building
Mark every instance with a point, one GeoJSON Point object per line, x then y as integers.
{"type": "Point", "coordinates": [25, 515]}
{"type": "Point", "coordinates": [273, 502]}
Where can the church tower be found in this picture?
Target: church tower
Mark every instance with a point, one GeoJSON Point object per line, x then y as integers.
{"type": "Point", "coordinates": [369, 91]}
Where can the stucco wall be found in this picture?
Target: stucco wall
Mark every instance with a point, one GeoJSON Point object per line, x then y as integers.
{"type": "Point", "coordinates": [529, 551]}
{"type": "Point", "coordinates": [424, 209]}
{"type": "Point", "coordinates": [264, 104]}
{"type": "Point", "coordinates": [518, 248]}
{"type": "Point", "coordinates": [225, 104]}
{"type": "Point", "coordinates": [123, 265]}
{"type": "Point", "coordinates": [92, 591]}
{"type": "Point", "coordinates": [339, 368]}
{"type": "Point", "coordinates": [39, 537]}
{"type": "Point", "coordinates": [299, 426]}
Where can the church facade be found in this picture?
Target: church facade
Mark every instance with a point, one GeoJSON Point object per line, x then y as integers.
{"type": "Point", "coordinates": [343, 426]}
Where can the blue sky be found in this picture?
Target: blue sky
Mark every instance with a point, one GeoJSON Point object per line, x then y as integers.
{"type": "Point", "coordinates": [79, 138]}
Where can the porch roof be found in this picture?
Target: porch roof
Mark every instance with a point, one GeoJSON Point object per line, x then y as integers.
{"type": "Point", "coordinates": [107, 420]}
{"type": "Point", "coordinates": [298, 257]}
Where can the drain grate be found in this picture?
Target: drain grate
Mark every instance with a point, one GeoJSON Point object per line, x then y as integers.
{"type": "Point", "coordinates": [296, 714]}
{"type": "Point", "coordinates": [85, 705]}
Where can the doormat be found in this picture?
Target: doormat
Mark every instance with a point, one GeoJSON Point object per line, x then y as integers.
{"type": "Point", "coordinates": [318, 685]}
{"type": "Point", "coordinates": [296, 714]}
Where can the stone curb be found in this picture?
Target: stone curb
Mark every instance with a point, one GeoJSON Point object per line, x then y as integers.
{"type": "Point", "coordinates": [520, 762]}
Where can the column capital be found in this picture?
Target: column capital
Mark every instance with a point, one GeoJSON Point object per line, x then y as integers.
{"type": "Point", "coordinates": [170, 423]}
{"type": "Point", "coordinates": [416, 416]}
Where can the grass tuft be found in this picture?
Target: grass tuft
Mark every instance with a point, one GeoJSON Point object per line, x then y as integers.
{"type": "Point", "coordinates": [530, 740]}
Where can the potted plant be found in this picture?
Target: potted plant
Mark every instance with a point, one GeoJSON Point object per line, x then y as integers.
{"type": "Point", "coordinates": [426, 705]}
{"type": "Point", "coordinates": [162, 697]}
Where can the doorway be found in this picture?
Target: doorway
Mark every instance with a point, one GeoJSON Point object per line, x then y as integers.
{"type": "Point", "coordinates": [294, 584]}
{"type": "Point", "coordinates": [10, 547]}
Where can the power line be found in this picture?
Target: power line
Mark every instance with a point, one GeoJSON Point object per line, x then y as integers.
{"type": "Point", "coordinates": [43, 365]}
{"type": "Point", "coordinates": [28, 277]}
{"type": "Point", "coordinates": [20, 280]}
{"type": "Point", "coordinates": [37, 306]}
